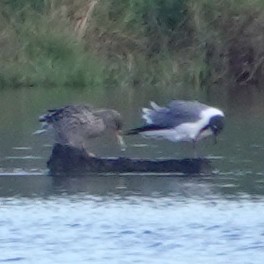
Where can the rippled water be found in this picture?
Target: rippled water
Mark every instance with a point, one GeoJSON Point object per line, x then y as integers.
{"type": "Point", "coordinates": [135, 229]}
{"type": "Point", "coordinates": [216, 218]}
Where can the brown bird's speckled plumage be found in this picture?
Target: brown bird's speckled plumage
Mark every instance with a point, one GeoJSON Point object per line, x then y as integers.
{"type": "Point", "coordinates": [74, 125]}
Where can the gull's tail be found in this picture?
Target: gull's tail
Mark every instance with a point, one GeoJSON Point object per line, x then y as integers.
{"type": "Point", "coordinates": [142, 129]}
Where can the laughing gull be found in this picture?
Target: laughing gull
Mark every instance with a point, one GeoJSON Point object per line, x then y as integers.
{"type": "Point", "coordinates": [180, 121]}
{"type": "Point", "coordinates": [74, 125]}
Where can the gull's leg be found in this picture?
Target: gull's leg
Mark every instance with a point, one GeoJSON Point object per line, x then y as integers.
{"type": "Point", "coordinates": [195, 154]}
{"type": "Point", "coordinates": [86, 152]}
{"type": "Point", "coordinates": [90, 154]}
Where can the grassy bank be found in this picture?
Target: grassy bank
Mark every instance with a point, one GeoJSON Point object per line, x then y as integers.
{"type": "Point", "coordinates": [104, 43]}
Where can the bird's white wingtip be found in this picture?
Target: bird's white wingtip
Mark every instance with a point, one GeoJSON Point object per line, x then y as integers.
{"type": "Point", "coordinates": [39, 132]}
{"type": "Point", "coordinates": [154, 105]}
{"type": "Point", "coordinates": [146, 115]}
{"type": "Point", "coordinates": [146, 110]}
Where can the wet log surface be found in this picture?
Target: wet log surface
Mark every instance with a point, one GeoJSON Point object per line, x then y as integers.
{"type": "Point", "coordinates": [66, 159]}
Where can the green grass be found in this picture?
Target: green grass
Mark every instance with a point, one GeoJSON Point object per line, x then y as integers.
{"type": "Point", "coordinates": [173, 44]}
{"type": "Point", "coordinates": [45, 52]}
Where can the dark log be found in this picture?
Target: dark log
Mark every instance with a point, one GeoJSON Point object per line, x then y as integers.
{"type": "Point", "coordinates": [66, 159]}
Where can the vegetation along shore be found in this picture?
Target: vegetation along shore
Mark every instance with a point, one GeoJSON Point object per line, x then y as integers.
{"type": "Point", "coordinates": [104, 43]}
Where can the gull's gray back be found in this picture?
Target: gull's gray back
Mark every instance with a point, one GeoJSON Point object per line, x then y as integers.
{"type": "Point", "coordinates": [175, 113]}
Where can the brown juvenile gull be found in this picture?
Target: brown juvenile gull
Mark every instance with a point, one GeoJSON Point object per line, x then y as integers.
{"type": "Point", "coordinates": [74, 125]}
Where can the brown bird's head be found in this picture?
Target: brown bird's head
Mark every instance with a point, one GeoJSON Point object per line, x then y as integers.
{"type": "Point", "coordinates": [113, 121]}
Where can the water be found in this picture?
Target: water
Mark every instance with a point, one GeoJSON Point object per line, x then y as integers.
{"type": "Point", "coordinates": [217, 218]}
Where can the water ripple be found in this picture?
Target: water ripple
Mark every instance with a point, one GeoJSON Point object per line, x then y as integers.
{"type": "Point", "coordinates": [18, 259]}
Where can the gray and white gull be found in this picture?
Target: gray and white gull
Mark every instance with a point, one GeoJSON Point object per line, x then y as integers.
{"type": "Point", "coordinates": [180, 121]}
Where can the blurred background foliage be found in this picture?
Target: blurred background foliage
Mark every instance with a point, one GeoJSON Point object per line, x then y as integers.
{"type": "Point", "coordinates": [173, 44]}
